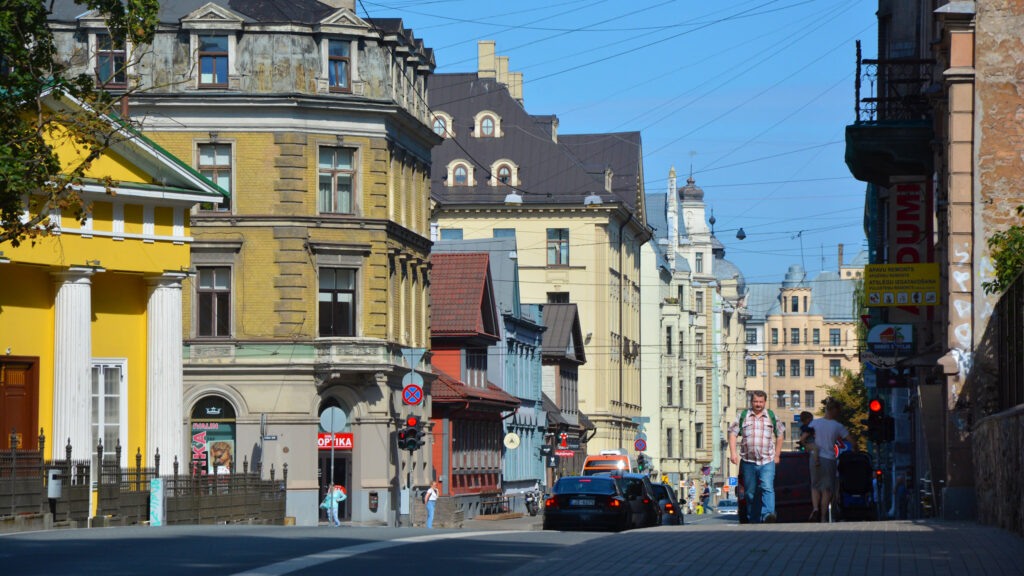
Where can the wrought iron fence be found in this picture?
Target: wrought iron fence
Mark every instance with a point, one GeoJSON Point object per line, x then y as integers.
{"type": "Point", "coordinates": [1010, 314]}
{"type": "Point", "coordinates": [892, 89]}
{"type": "Point", "coordinates": [23, 478]}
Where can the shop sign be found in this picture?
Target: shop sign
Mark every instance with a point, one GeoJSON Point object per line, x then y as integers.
{"type": "Point", "coordinates": [342, 441]}
{"type": "Point", "coordinates": [892, 340]}
{"type": "Point", "coordinates": [213, 444]}
{"type": "Point", "coordinates": [565, 453]}
{"type": "Point", "coordinates": [902, 284]}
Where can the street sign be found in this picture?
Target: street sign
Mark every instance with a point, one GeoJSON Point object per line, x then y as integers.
{"type": "Point", "coordinates": [333, 419]}
{"type": "Point", "coordinates": [546, 450]}
{"type": "Point", "coordinates": [270, 437]}
{"type": "Point", "coordinates": [641, 419]}
{"type": "Point", "coordinates": [640, 445]}
{"type": "Point", "coordinates": [705, 470]}
{"type": "Point", "coordinates": [412, 394]}
{"type": "Point", "coordinates": [732, 480]}
{"type": "Point", "coordinates": [341, 441]}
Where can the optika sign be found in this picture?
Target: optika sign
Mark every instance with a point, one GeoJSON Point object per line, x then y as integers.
{"type": "Point", "coordinates": [341, 441]}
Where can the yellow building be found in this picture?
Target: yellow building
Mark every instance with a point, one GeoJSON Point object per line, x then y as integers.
{"type": "Point", "coordinates": [312, 285]}
{"type": "Point", "coordinates": [574, 204]}
{"type": "Point", "coordinates": [90, 316]}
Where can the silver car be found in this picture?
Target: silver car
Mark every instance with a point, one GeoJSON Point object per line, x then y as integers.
{"type": "Point", "coordinates": [728, 507]}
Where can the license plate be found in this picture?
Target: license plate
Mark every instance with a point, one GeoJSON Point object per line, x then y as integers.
{"type": "Point", "coordinates": [581, 502]}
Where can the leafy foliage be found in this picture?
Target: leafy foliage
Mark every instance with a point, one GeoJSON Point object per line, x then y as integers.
{"type": "Point", "coordinates": [31, 173]}
{"type": "Point", "coordinates": [1007, 250]}
{"type": "Point", "coordinates": [852, 396]}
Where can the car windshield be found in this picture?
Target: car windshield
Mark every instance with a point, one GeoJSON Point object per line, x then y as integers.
{"type": "Point", "coordinates": [660, 492]}
{"type": "Point", "coordinates": [585, 486]}
{"type": "Point", "coordinates": [722, 503]}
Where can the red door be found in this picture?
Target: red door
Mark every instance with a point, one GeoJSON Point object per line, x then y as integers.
{"type": "Point", "coordinates": [19, 402]}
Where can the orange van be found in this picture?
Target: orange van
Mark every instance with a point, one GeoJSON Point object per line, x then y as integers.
{"type": "Point", "coordinates": [609, 461]}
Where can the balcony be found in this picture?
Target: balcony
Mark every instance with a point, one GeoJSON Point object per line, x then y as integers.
{"type": "Point", "coordinates": [893, 131]}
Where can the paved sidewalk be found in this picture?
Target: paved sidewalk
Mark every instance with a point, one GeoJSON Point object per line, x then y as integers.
{"type": "Point", "coordinates": [525, 522]}
{"type": "Point", "coordinates": [843, 549]}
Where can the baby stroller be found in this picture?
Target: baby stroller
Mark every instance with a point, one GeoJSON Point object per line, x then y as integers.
{"type": "Point", "coordinates": [855, 495]}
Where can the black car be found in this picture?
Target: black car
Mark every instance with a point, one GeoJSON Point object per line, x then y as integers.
{"type": "Point", "coordinates": [587, 503]}
{"type": "Point", "coordinates": [640, 493]}
{"type": "Point", "coordinates": [671, 511]}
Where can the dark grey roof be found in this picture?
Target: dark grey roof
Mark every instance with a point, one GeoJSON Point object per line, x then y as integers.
{"type": "Point", "coordinates": [691, 192]}
{"type": "Point", "coordinates": [796, 277]}
{"type": "Point", "coordinates": [762, 301]}
{"type": "Point", "coordinates": [554, 413]}
{"type": "Point", "coordinates": [585, 422]}
{"type": "Point", "coordinates": [503, 270]}
{"type": "Point", "coordinates": [619, 151]}
{"type": "Point", "coordinates": [563, 323]}
{"type": "Point", "coordinates": [725, 270]}
{"type": "Point", "coordinates": [657, 215]}
{"type": "Point", "coordinates": [549, 172]}
{"type": "Point", "coordinates": [833, 297]}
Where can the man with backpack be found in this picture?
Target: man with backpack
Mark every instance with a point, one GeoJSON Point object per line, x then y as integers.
{"type": "Point", "coordinates": [760, 449]}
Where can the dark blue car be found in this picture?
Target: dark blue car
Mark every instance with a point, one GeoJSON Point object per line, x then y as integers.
{"type": "Point", "coordinates": [587, 503]}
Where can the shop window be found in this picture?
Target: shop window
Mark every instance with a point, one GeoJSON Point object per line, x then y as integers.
{"type": "Point", "coordinates": [336, 169]}
{"type": "Point", "coordinates": [213, 61]}
{"type": "Point", "coordinates": [337, 302]}
{"type": "Point", "coordinates": [213, 295]}
{"type": "Point", "coordinates": [212, 436]}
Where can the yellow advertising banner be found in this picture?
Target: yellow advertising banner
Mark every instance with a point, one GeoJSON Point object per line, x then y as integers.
{"type": "Point", "coordinates": [902, 284]}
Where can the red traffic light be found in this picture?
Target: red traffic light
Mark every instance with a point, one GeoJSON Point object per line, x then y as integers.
{"type": "Point", "coordinates": [875, 406]}
{"type": "Point", "coordinates": [412, 421]}
{"type": "Point", "coordinates": [878, 473]}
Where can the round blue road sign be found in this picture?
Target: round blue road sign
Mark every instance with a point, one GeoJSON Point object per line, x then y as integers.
{"type": "Point", "coordinates": [640, 445]}
{"type": "Point", "coordinates": [412, 394]}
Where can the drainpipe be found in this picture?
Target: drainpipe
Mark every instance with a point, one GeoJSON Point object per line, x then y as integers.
{"type": "Point", "coordinates": [622, 336]}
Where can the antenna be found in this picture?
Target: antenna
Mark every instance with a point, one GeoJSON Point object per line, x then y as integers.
{"type": "Point", "coordinates": [692, 154]}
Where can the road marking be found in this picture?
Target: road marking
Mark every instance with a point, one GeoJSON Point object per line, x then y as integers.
{"type": "Point", "coordinates": [303, 562]}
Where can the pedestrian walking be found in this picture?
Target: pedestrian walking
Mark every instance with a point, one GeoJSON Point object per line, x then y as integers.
{"type": "Point", "coordinates": [760, 448]}
{"type": "Point", "coordinates": [823, 476]}
{"type": "Point", "coordinates": [334, 497]}
{"type": "Point", "coordinates": [430, 499]}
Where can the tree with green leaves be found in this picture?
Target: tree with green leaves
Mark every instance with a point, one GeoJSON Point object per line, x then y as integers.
{"type": "Point", "coordinates": [852, 396]}
{"type": "Point", "coordinates": [1007, 251]}
{"type": "Point", "coordinates": [33, 179]}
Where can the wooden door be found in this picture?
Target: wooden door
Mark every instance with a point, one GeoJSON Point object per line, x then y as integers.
{"type": "Point", "coordinates": [19, 402]}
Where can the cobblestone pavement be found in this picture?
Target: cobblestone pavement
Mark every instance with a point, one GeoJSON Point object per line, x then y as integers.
{"type": "Point", "coordinates": [854, 549]}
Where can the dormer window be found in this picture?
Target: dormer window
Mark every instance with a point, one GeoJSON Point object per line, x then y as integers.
{"type": "Point", "coordinates": [338, 66]}
{"type": "Point", "coordinates": [110, 62]}
{"type": "Point", "coordinates": [461, 175]}
{"type": "Point", "coordinates": [487, 127]}
{"type": "Point", "coordinates": [443, 125]}
{"type": "Point", "coordinates": [487, 124]}
{"type": "Point", "coordinates": [440, 126]}
{"type": "Point", "coordinates": [504, 174]}
{"type": "Point", "coordinates": [213, 61]}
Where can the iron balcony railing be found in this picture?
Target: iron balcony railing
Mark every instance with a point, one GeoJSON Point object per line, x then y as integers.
{"type": "Point", "coordinates": [893, 89]}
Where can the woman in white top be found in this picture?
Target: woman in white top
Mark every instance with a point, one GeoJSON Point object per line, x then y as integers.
{"type": "Point", "coordinates": [430, 499]}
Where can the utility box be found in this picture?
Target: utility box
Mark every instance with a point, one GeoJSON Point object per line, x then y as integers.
{"type": "Point", "coordinates": [54, 485]}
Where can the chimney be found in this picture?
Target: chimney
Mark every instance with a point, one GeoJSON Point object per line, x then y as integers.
{"type": "Point", "coordinates": [515, 87]}
{"type": "Point", "coordinates": [503, 70]}
{"type": "Point", "coordinates": [350, 4]}
{"type": "Point", "coordinates": [487, 65]}
{"type": "Point", "coordinates": [840, 257]}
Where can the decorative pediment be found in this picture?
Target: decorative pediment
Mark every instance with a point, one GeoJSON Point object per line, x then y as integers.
{"type": "Point", "coordinates": [92, 19]}
{"type": "Point", "coordinates": [343, 21]}
{"type": "Point", "coordinates": [212, 16]}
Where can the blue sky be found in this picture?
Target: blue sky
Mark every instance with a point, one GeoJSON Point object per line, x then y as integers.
{"type": "Point", "coordinates": [755, 93]}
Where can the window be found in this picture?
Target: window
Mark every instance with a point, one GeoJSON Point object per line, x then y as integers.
{"type": "Point", "coordinates": [668, 391]}
{"type": "Point", "coordinates": [780, 367]}
{"type": "Point", "coordinates": [558, 247]}
{"type": "Point", "coordinates": [805, 335]}
{"type": "Point", "coordinates": [751, 336]}
{"type": "Point", "coordinates": [775, 335]}
{"type": "Point", "coordinates": [794, 335]}
{"type": "Point", "coordinates": [213, 296]}
{"type": "Point", "coordinates": [215, 164]}
{"type": "Point", "coordinates": [440, 126]}
{"type": "Point", "coordinates": [337, 302]}
{"type": "Point", "coordinates": [699, 262]}
{"type": "Point", "coordinates": [682, 443]}
{"type": "Point", "coordinates": [805, 304]}
{"type": "Point", "coordinates": [808, 368]}
{"type": "Point", "coordinates": [816, 334]}
{"type": "Point", "coordinates": [213, 61]}
{"type": "Point", "coordinates": [679, 294]}
{"type": "Point", "coordinates": [336, 169]}
{"type": "Point", "coordinates": [809, 398]}
{"type": "Point", "coordinates": [698, 298]}
{"type": "Point", "coordinates": [669, 445]}
{"type": "Point", "coordinates": [780, 399]}
{"type": "Point", "coordinates": [668, 340]}
{"type": "Point", "coordinates": [504, 174]}
{"type": "Point", "coordinates": [834, 368]}
{"type": "Point", "coordinates": [681, 343]}
{"type": "Point", "coordinates": [834, 337]}
{"type": "Point", "coordinates": [794, 306]}
{"type": "Point", "coordinates": [698, 388]}
{"type": "Point", "coordinates": [503, 233]}
{"type": "Point", "coordinates": [108, 406]}
{"type": "Point", "coordinates": [487, 126]}
{"type": "Point", "coordinates": [476, 368]}
{"type": "Point", "coordinates": [699, 341]}
{"type": "Point", "coordinates": [338, 70]}
{"type": "Point", "coordinates": [751, 368]}
{"type": "Point", "coordinates": [110, 62]}
{"type": "Point", "coordinates": [451, 233]}
{"type": "Point", "coordinates": [461, 175]}
{"type": "Point", "coordinates": [794, 401]}
{"type": "Point", "coordinates": [698, 435]}
{"type": "Point", "coordinates": [558, 297]}
{"type": "Point", "coordinates": [794, 368]}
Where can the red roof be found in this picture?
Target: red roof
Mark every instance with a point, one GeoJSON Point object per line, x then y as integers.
{"type": "Point", "coordinates": [462, 299]}
{"type": "Point", "coordinates": [448, 388]}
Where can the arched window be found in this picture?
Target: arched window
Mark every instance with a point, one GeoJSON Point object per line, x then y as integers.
{"type": "Point", "coordinates": [487, 126]}
{"type": "Point", "coordinates": [461, 175]}
{"type": "Point", "coordinates": [213, 436]}
{"type": "Point", "coordinates": [505, 174]}
{"type": "Point", "coordinates": [440, 126]}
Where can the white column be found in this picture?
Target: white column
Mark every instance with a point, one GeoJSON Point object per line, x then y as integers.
{"type": "Point", "coordinates": [163, 370]}
{"type": "Point", "coordinates": [72, 359]}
